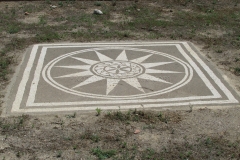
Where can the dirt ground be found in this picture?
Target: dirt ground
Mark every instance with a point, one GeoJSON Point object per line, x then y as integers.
{"type": "Point", "coordinates": [212, 25]}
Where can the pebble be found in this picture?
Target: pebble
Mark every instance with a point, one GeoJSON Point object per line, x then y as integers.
{"type": "Point", "coordinates": [97, 11]}
{"type": "Point", "coordinates": [137, 131]}
{"type": "Point", "coordinates": [53, 6]}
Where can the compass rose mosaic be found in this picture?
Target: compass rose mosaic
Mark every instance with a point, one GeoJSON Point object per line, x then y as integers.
{"type": "Point", "coordinates": [82, 77]}
{"type": "Point", "coordinates": [115, 71]}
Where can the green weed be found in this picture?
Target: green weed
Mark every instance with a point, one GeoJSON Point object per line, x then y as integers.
{"type": "Point", "coordinates": [149, 154]}
{"type": "Point", "coordinates": [95, 138]}
{"type": "Point", "coordinates": [124, 145]}
{"type": "Point", "coordinates": [72, 116]}
{"type": "Point", "coordinates": [90, 135]}
{"type": "Point", "coordinates": [48, 36]}
{"type": "Point", "coordinates": [103, 154]}
{"type": "Point", "coordinates": [17, 123]}
{"type": "Point", "coordinates": [59, 154]}
{"type": "Point", "coordinates": [98, 111]}
{"type": "Point", "coordinates": [138, 116]}
{"type": "Point", "coordinates": [237, 70]}
{"type": "Point", "coordinates": [13, 29]}
{"type": "Point", "coordinates": [4, 63]}
{"type": "Point", "coordinates": [60, 4]}
{"type": "Point", "coordinates": [42, 21]}
{"type": "Point", "coordinates": [219, 51]}
{"type": "Point", "coordinates": [238, 38]}
{"type": "Point", "coordinates": [74, 147]}
{"type": "Point", "coordinates": [97, 3]}
{"type": "Point", "coordinates": [48, 1]}
{"type": "Point", "coordinates": [18, 154]}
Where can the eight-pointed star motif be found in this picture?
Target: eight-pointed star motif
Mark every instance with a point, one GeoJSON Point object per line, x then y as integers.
{"type": "Point", "coordinates": [116, 70]}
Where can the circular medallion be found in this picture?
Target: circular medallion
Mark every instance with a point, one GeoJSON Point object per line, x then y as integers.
{"type": "Point", "coordinates": [117, 69]}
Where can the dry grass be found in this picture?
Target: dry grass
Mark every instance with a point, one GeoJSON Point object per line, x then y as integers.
{"type": "Point", "coordinates": [166, 135]}
{"type": "Point", "coordinates": [109, 136]}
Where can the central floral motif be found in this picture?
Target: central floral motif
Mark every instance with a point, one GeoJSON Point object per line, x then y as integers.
{"type": "Point", "coordinates": [118, 69]}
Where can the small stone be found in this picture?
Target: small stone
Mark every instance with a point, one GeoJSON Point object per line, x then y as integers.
{"type": "Point", "coordinates": [26, 13]}
{"type": "Point", "coordinates": [137, 131]}
{"type": "Point", "coordinates": [138, 10]}
{"type": "Point", "coordinates": [97, 11]}
{"type": "Point", "coordinates": [53, 6]}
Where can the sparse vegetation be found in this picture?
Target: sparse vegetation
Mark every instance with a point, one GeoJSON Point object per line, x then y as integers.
{"type": "Point", "coordinates": [98, 111]}
{"type": "Point", "coordinates": [140, 22]}
{"type": "Point", "coordinates": [212, 24]}
{"type": "Point", "coordinates": [103, 154]}
{"type": "Point", "coordinates": [59, 154]}
{"type": "Point", "coordinates": [97, 3]}
{"type": "Point", "coordinates": [140, 116]}
{"type": "Point", "coordinates": [13, 29]}
{"type": "Point", "coordinates": [109, 137]}
{"type": "Point", "coordinates": [72, 116]}
{"type": "Point", "coordinates": [237, 71]}
{"type": "Point", "coordinates": [16, 124]}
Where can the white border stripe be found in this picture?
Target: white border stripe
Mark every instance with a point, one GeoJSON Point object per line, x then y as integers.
{"type": "Point", "coordinates": [122, 106]}
{"type": "Point", "coordinates": [200, 73]}
{"type": "Point", "coordinates": [22, 85]}
{"type": "Point", "coordinates": [37, 75]}
{"type": "Point", "coordinates": [107, 43]}
{"type": "Point", "coordinates": [212, 75]}
{"type": "Point", "coordinates": [120, 102]}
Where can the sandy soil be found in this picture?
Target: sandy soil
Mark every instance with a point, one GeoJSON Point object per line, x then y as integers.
{"type": "Point", "coordinates": [183, 134]}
